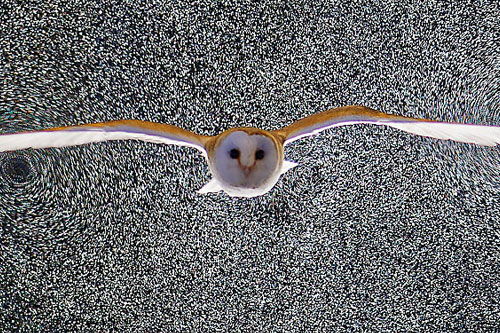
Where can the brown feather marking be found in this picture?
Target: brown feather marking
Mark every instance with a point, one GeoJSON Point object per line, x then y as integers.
{"type": "Point", "coordinates": [344, 111]}
{"type": "Point", "coordinates": [148, 125]}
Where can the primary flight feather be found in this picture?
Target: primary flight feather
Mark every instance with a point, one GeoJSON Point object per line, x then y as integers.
{"type": "Point", "coordinates": [246, 161]}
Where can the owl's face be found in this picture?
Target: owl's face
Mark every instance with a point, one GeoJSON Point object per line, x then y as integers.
{"type": "Point", "coordinates": [246, 163]}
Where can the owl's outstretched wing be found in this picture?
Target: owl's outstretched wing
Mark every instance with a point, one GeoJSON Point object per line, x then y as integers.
{"type": "Point", "coordinates": [105, 131]}
{"type": "Point", "coordinates": [354, 114]}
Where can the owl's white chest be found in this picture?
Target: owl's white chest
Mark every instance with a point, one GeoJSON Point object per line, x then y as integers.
{"type": "Point", "coordinates": [244, 189]}
{"type": "Point", "coordinates": [218, 184]}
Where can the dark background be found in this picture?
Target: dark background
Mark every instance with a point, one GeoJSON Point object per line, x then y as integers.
{"type": "Point", "coordinates": [376, 229]}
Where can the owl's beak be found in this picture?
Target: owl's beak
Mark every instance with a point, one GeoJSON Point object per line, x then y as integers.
{"type": "Point", "coordinates": [246, 168]}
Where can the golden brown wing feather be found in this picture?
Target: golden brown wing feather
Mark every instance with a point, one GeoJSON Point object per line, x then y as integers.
{"type": "Point", "coordinates": [103, 131]}
{"type": "Point", "coordinates": [356, 114]}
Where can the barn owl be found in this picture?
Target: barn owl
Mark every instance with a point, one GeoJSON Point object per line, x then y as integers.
{"type": "Point", "coordinates": [246, 161]}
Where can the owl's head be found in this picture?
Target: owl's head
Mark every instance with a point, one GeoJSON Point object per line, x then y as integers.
{"type": "Point", "coordinates": [247, 159]}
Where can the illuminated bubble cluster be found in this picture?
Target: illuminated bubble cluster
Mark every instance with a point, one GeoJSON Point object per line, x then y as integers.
{"type": "Point", "coordinates": [375, 229]}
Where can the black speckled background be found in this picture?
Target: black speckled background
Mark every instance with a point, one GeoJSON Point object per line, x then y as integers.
{"type": "Point", "coordinates": [375, 230]}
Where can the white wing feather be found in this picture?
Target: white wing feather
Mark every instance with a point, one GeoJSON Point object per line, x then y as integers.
{"type": "Point", "coordinates": [349, 115]}
{"type": "Point", "coordinates": [113, 130]}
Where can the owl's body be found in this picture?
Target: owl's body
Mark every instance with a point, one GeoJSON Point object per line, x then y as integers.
{"type": "Point", "coordinates": [246, 161]}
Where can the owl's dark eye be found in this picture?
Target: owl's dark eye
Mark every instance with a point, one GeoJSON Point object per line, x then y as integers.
{"type": "Point", "coordinates": [234, 153]}
{"type": "Point", "coordinates": [259, 154]}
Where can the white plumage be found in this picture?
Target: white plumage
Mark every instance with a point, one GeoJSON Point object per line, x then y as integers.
{"type": "Point", "coordinates": [246, 161]}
